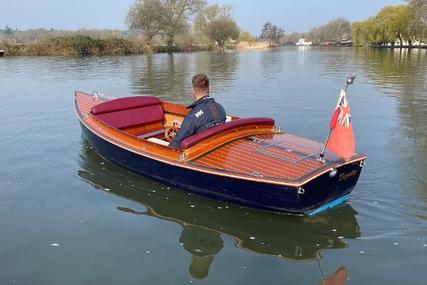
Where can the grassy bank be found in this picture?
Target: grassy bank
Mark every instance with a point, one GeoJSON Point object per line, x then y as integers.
{"type": "Point", "coordinates": [74, 45]}
{"type": "Point", "coordinates": [81, 45]}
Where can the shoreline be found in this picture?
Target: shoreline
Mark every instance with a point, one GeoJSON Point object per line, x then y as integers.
{"type": "Point", "coordinates": [258, 46]}
{"type": "Point", "coordinates": [31, 50]}
{"type": "Point", "coordinates": [86, 45]}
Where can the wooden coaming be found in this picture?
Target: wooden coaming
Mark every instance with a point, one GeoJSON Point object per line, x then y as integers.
{"type": "Point", "coordinates": [250, 153]}
{"type": "Point", "coordinates": [174, 109]}
{"type": "Point", "coordinates": [217, 141]}
{"type": "Point", "coordinates": [177, 112]}
{"type": "Point", "coordinates": [137, 130]}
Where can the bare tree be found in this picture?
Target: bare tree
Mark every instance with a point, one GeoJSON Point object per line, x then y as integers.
{"type": "Point", "coordinates": [175, 16]}
{"type": "Point", "coordinates": [166, 17]}
{"type": "Point", "coordinates": [333, 31]}
{"type": "Point", "coordinates": [209, 14]}
{"type": "Point", "coordinates": [271, 33]}
{"type": "Point", "coordinates": [222, 29]}
{"type": "Point", "coordinates": [145, 16]}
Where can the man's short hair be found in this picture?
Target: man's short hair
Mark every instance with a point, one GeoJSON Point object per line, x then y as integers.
{"type": "Point", "coordinates": [201, 83]}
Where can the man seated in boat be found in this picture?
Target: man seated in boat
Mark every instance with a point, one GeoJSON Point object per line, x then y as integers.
{"type": "Point", "coordinates": [205, 112]}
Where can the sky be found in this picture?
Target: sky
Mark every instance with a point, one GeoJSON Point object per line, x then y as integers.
{"type": "Point", "coordinates": [292, 16]}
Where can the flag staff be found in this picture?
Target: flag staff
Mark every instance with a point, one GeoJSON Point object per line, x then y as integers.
{"type": "Point", "coordinates": [350, 80]}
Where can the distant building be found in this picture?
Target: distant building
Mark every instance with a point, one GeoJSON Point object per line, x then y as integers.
{"type": "Point", "coordinates": [303, 42]}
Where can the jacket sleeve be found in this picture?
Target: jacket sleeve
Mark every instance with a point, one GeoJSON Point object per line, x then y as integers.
{"type": "Point", "coordinates": [187, 129]}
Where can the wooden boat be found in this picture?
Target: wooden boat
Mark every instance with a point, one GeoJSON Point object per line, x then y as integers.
{"type": "Point", "coordinates": [246, 161]}
{"type": "Point", "coordinates": [2, 52]}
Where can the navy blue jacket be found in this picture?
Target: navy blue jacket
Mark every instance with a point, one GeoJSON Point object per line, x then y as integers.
{"type": "Point", "coordinates": [205, 113]}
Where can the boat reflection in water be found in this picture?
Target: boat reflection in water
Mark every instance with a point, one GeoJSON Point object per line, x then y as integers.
{"type": "Point", "coordinates": [297, 238]}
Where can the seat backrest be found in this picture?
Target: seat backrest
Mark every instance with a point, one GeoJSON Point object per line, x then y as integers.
{"type": "Point", "coordinates": [239, 123]}
{"type": "Point", "coordinates": [129, 111]}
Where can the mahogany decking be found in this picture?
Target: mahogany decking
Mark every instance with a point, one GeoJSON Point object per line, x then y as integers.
{"type": "Point", "coordinates": [86, 103]}
{"type": "Point", "coordinates": [273, 158]}
{"type": "Point", "coordinates": [276, 157]}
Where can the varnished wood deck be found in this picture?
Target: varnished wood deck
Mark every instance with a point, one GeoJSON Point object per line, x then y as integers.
{"type": "Point", "coordinates": [279, 156]}
{"type": "Point", "coordinates": [86, 103]}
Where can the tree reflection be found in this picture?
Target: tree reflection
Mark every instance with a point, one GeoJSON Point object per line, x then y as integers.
{"type": "Point", "coordinates": [220, 67]}
{"type": "Point", "coordinates": [401, 73]}
{"type": "Point", "coordinates": [271, 64]}
{"type": "Point", "coordinates": [405, 71]}
{"type": "Point", "coordinates": [165, 76]}
{"type": "Point", "coordinates": [168, 76]}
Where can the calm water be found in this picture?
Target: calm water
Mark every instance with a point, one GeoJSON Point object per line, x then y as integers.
{"type": "Point", "coordinates": [67, 216]}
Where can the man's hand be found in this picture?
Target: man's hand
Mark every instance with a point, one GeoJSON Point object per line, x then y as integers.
{"type": "Point", "coordinates": [176, 124]}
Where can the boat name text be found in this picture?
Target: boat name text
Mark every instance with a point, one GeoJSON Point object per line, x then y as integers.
{"type": "Point", "coordinates": [345, 176]}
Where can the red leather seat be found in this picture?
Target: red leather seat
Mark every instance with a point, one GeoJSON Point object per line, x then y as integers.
{"type": "Point", "coordinates": [208, 133]}
{"type": "Point", "coordinates": [130, 111]}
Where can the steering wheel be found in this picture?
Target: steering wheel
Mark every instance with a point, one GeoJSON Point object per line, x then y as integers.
{"type": "Point", "coordinates": [170, 133]}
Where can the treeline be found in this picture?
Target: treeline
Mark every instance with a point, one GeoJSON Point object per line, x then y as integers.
{"type": "Point", "coordinates": [56, 42]}
{"type": "Point", "coordinates": [165, 21]}
{"type": "Point", "coordinates": [190, 25]}
{"type": "Point", "coordinates": [42, 42]}
{"type": "Point", "coordinates": [403, 25]}
{"type": "Point", "coordinates": [7, 30]}
{"type": "Point", "coordinates": [154, 26]}
{"type": "Point", "coordinates": [332, 32]}
{"type": "Point", "coordinates": [74, 45]}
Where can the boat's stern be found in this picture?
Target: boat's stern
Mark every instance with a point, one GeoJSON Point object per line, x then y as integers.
{"type": "Point", "coordinates": [331, 188]}
{"type": "Point", "coordinates": [288, 168]}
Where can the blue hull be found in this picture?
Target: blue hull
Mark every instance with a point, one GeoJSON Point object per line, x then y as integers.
{"type": "Point", "coordinates": [318, 193]}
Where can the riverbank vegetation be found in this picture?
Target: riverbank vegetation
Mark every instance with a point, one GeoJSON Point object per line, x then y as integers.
{"type": "Point", "coordinates": [70, 44]}
{"type": "Point", "coordinates": [192, 25]}
{"type": "Point", "coordinates": [403, 25]}
{"type": "Point", "coordinates": [331, 33]}
{"type": "Point", "coordinates": [161, 21]}
{"type": "Point", "coordinates": [154, 26]}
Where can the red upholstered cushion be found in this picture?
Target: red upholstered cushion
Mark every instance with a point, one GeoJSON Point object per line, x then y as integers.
{"type": "Point", "coordinates": [132, 117]}
{"type": "Point", "coordinates": [208, 133]}
{"type": "Point", "coordinates": [129, 111]}
{"type": "Point", "coordinates": [124, 104]}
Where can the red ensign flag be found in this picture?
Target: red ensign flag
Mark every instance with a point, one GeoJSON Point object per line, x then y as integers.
{"type": "Point", "coordinates": [341, 140]}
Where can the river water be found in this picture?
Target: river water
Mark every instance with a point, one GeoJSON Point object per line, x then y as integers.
{"type": "Point", "coordinates": [67, 216]}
